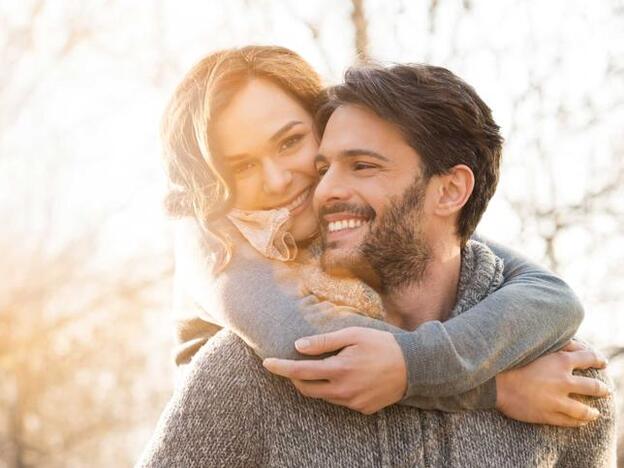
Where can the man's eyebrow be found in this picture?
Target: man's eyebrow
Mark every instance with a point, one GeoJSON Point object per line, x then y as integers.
{"type": "Point", "coordinates": [319, 158]}
{"type": "Point", "coordinates": [234, 158]}
{"type": "Point", "coordinates": [352, 153]}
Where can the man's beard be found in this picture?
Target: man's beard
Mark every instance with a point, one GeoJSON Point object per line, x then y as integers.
{"type": "Point", "coordinates": [396, 248]}
{"type": "Point", "coordinates": [393, 253]}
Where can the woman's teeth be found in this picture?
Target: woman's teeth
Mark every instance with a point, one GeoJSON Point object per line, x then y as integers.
{"type": "Point", "coordinates": [344, 224]}
{"type": "Point", "coordinates": [297, 201]}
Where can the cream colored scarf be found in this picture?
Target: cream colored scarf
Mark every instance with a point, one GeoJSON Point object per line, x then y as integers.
{"type": "Point", "coordinates": [267, 232]}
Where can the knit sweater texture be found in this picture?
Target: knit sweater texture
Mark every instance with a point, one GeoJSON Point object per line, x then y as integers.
{"type": "Point", "coordinates": [229, 411]}
{"type": "Point", "coordinates": [451, 365]}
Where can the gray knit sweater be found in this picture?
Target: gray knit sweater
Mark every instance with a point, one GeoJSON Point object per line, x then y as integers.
{"type": "Point", "coordinates": [451, 365]}
{"type": "Point", "coordinates": [230, 412]}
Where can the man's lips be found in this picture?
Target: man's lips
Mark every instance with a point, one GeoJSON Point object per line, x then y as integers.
{"type": "Point", "coordinates": [341, 219]}
{"type": "Point", "coordinates": [342, 223]}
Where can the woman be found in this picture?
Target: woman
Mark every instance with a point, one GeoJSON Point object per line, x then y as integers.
{"type": "Point", "coordinates": [240, 143]}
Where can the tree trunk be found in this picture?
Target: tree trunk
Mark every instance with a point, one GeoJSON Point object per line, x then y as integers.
{"type": "Point", "coordinates": [360, 25]}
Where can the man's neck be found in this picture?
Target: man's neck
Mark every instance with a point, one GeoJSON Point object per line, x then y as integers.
{"type": "Point", "coordinates": [433, 298]}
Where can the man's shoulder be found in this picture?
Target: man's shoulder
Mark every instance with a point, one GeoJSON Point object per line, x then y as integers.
{"type": "Point", "coordinates": [225, 361]}
{"type": "Point", "coordinates": [223, 349]}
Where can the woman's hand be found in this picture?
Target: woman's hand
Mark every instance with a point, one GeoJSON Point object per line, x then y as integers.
{"type": "Point", "coordinates": [540, 392]}
{"type": "Point", "coordinates": [367, 374]}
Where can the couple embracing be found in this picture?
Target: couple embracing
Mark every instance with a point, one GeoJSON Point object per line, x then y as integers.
{"type": "Point", "coordinates": [329, 235]}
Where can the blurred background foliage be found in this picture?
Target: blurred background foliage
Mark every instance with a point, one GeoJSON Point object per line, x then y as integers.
{"type": "Point", "coordinates": [86, 270]}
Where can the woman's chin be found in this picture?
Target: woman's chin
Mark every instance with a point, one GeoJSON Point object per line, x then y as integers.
{"type": "Point", "coordinates": [304, 230]}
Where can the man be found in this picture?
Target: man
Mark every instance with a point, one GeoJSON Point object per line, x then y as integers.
{"type": "Point", "coordinates": [397, 212]}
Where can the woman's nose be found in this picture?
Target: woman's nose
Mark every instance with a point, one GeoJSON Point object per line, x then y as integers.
{"type": "Point", "coordinates": [276, 178]}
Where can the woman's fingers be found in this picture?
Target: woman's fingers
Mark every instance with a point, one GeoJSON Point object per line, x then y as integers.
{"type": "Point", "coordinates": [313, 369]}
{"type": "Point", "coordinates": [560, 419]}
{"type": "Point", "coordinates": [584, 359]}
{"type": "Point", "coordinates": [588, 386]}
{"type": "Point", "coordinates": [573, 345]}
{"type": "Point", "coordinates": [312, 388]}
{"type": "Point", "coordinates": [577, 410]}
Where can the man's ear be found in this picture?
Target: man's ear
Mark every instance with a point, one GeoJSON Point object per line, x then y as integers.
{"type": "Point", "coordinates": [454, 190]}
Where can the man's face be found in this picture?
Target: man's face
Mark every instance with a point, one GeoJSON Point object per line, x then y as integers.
{"type": "Point", "coordinates": [371, 200]}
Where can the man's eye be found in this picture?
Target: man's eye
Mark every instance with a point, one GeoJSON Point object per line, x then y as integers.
{"type": "Point", "coordinates": [243, 167]}
{"type": "Point", "coordinates": [289, 142]}
{"type": "Point", "coordinates": [360, 166]}
{"type": "Point", "coordinates": [321, 170]}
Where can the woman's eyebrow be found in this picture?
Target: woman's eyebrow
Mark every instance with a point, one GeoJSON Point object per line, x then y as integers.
{"type": "Point", "coordinates": [284, 129]}
{"type": "Point", "coordinates": [234, 158]}
{"type": "Point", "coordinates": [276, 136]}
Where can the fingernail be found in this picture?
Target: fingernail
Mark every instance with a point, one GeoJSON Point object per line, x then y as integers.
{"type": "Point", "coordinates": [605, 361]}
{"type": "Point", "coordinates": [594, 413]}
{"type": "Point", "coordinates": [267, 362]}
{"type": "Point", "coordinates": [302, 343]}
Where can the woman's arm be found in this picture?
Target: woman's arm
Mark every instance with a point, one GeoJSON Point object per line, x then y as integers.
{"type": "Point", "coordinates": [534, 312]}
{"type": "Point", "coordinates": [258, 300]}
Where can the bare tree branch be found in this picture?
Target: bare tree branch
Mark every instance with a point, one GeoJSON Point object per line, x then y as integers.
{"type": "Point", "coordinates": [360, 24]}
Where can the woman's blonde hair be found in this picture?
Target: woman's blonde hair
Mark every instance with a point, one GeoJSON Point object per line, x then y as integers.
{"type": "Point", "coordinates": [199, 185]}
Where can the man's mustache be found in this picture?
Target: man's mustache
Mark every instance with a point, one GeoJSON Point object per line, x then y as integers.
{"type": "Point", "coordinates": [363, 211]}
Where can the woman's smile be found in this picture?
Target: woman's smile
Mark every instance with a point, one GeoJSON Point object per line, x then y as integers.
{"type": "Point", "coordinates": [275, 135]}
{"type": "Point", "coordinates": [296, 204]}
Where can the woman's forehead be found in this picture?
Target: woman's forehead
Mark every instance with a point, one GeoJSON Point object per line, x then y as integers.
{"type": "Point", "coordinates": [255, 115]}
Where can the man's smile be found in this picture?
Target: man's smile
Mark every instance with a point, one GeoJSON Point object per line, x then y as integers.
{"type": "Point", "coordinates": [339, 226]}
{"type": "Point", "coordinates": [351, 223]}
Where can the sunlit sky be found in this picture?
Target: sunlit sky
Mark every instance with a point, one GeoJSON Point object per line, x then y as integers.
{"type": "Point", "coordinates": [83, 149]}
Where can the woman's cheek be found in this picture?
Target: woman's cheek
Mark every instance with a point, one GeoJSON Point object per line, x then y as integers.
{"type": "Point", "coordinates": [308, 154]}
{"type": "Point", "coordinates": [247, 193]}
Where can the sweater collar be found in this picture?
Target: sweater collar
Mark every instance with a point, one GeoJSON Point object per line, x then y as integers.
{"type": "Point", "coordinates": [480, 275]}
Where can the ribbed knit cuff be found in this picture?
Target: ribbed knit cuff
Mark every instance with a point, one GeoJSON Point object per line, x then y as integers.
{"type": "Point", "coordinates": [419, 370]}
{"type": "Point", "coordinates": [413, 360]}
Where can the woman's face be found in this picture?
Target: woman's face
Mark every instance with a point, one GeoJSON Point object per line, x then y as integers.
{"type": "Point", "coordinates": [268, 141]}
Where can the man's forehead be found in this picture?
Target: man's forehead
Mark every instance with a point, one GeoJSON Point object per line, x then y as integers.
{"type": "Point", "coordinates": [352, 126]}
{"type": "Point", "coordinates": [348, 126]}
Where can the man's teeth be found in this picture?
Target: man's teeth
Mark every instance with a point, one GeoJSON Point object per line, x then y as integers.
{"type": "Point", "coordinates": [297, 201]}
{"type": "Point", "coordinates": [344, 224]}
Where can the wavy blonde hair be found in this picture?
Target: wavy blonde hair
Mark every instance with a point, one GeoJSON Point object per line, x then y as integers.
{"type": "Point", "coordinates": [199, 184]}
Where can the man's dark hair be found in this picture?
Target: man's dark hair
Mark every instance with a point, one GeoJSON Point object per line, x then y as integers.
{"type": "Point", "coordinates": [440, 116]}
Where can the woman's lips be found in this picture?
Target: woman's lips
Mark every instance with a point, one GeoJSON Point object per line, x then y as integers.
{"type": "Point", "coordinates": [298, 204]}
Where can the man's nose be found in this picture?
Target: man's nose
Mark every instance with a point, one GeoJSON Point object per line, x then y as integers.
{"type": "Point", "coordinates": [276, 178]}
{"type": "Point", "coordinates": [331, 188]}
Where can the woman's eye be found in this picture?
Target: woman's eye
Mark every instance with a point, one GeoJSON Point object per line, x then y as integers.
{"type": "Point", "coordinates": [243, 167]}
{"type": "Point", "coordinates": [289, 142]}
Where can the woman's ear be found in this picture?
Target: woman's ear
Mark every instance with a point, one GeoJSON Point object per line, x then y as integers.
{"type": "Point", "coordinates": [454, 190]}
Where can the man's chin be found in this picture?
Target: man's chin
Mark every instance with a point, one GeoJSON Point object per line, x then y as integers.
{"type": "Point", "coordinates": [348, 263]}
{"type": "Point", "coordinates": [336, 262]}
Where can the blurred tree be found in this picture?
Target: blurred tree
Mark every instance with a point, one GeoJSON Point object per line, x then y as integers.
{"type": "Point", "coordinates": [360, 26]}
{"type": "Point", "coordinates": [82, 351]}
{"type": "Point", "coordinates": [73, 360]}
{"type": "Point", "coordinates": [84, 364]}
